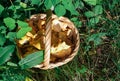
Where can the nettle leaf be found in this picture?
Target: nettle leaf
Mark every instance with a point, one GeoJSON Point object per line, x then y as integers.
{"type": "Point", "coordinates": [10, 23]}
{"type": "Point", "coordinates": [89, 14]}
{"type": "Point", "coordinates": [5, 53]}
{"type": "Point", "coordinates": [22, 23]}
{"type": "Point", "coordinates": [48, 4]}
{"type": "Point", "coordinates": [60, 10]}
{"type": "Point", "coordinates": [1, 9]}
{"type": "Point", "coordinates": [98, 9]}
{"type": "Point", "coordinates": [2, 39]}
{"type": "Point", "coordinates": [96, 38]}
{"type": "Point", "coordinates": [31, 60]}
{"type": "Point", "coordinates": [91, 2]}
{"type": "Point", "coordinates": [22, 32]}
{"type": "Point", "coordinates": [35, 2]}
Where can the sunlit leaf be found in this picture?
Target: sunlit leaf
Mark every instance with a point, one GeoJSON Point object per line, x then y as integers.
{"type": "Point", "coordinates": [31, 60]}
{"type": "Point", "coordinates": [22, 23]}
{"type": "Point", "coordinates": [10, 23]}
{"type": "Point", "coordinates": [22, 32]}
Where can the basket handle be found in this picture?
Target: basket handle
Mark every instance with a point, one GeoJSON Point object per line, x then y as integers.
{"type": "Point", "coordinates": [47, 39]}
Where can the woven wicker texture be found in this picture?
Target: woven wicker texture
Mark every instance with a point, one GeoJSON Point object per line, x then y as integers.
{"type": "Point", "coordinates": [46, 64]}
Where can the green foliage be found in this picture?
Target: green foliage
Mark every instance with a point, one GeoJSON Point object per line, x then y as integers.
{"type": "Point", "coordinates": [5, 53]}
{"type": "Point", "coordinates": [60, 10]}
{"type": "Point", "coordinates": [91, 2]}
{"type": "Point", "coordinates": [99, 27]}
{"type": "Point", "coordinates": [22, 32]}
{"type": "Point", "coordinates": [96, 38]}
{"type": "Point", "coordinates": [31, 60]}
{"type": "Point", "coordinates": [1, 9]}
{"type": "Point", "coordinates": [48, 4]}
{"type": "Point", "coordinates": [2, 40]}
{"type": "Point", "coordinates": [10, 23]}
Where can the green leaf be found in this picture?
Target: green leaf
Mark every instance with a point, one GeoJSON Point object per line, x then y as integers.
{"type": "Point", "coordinates": [24, 5]}
{"type": "Point", "coordinates": [48, 4]}
{"type": "Point", "coordinates": [98, 9]}
{"type": "Point", "coordinates": [5, 53]}
{"type": "Point", "coordinates": [2, 39]}
{"type": "Point", "coordinates": [22, 32]}
{"type": "Point", "coordinates": [10, 23]}
{"type": "Point", "coordinates": [79, 4]}
{"type": "Point", "coordinates": [22, 23]}
{"type": "Point", "coordinates": [69, 6]}
{"type": "Point", "coordinates": [11, 36]}
{"type": "Point", "coordinates": [3, 29]}
{"type": "Point", "coordinates": [94, 21]}
{"type": "Point", "coordinates": [11, 64]}
{"type": "Point", "coordinates": [55, 2]}
{"type": "Point", "coordinates": [96, 38]}
{"type": "Point", "coordinates": [31, 60]}
{"type": "Point", "coordinates": [91, 2]}
{"type": "Point", "coordinates": [89, 14]}
{"type": "Point", "coordinates": [83, 69]}
{"type": "Point", "coordinates": [1, 9]}
{"type": "Point", "coordinates": [60, 10]}
{"type": "Point", "coordinates": [35, 2]}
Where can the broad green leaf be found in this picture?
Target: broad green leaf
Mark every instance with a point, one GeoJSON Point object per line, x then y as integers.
{"type": "Point", "coordinates": [55, 2]}
{"type": "Point", "coordinates": [5, 53]}
{"type": "Point", "coordinates": [31, 60]}
{"type": "Point", "coordinates": [89, 14]}
{"type": "Point", "coordinates": [10, 23]}
{"type": "Point", "coordinates": [22, 32]}
{"type": "Point", "coordinates": [48, 4]}
{"type": "Point", "coordinates": [22, 23]}
{"type": "Point", "coordinates": [94, 21]}
{"type": "Point", "coordinates": [35, 2]}
{"type": "Point", "coordinates": [98, 9]}
{"type": "Point", "coordinates": [91, 2]}
{"type": "Point", "coordinates": [60, 10]}
{"type": "Point", "coordinates": [1, 9]}
{"type": "Point", "coordinates": [2, 39]}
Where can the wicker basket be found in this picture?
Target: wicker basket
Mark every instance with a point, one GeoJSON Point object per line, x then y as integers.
{"type": "Point", "coordinates": [46, 64]}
